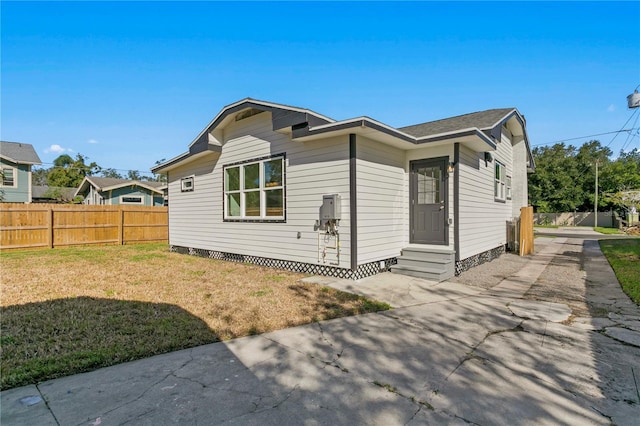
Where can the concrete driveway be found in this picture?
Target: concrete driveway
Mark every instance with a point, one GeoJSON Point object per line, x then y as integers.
{"type": "Point", "coordinates": [448, 353]}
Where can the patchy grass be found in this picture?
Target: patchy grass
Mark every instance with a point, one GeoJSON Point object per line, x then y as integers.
{"type": "Point", "coordinates": [624, 257]}
{"type": "Point", "coordinates": [607, 231]}
{"type": "Point", "coordinates": [546, 226]}
{"type": "Point", "coordinates": [67, 311]}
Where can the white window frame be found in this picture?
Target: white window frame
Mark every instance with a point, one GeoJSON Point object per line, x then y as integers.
{"type": "Point", "coordinates": [122, 197]}
{"type": "Point", "coordinates": [508, 187]}
{"type": "Point", "coordinates": [262, 189]}
{"type": "Point", "coordinates": [499, 185]}
{"type": "Point", "coordinates": [14, 173]}
{"type": "Point", "coordinates": [187, 184]}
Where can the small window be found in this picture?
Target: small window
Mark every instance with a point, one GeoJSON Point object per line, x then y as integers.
{"type": "Point", "coordinates": [130, 200]}
{"type": "Point", "coordinates": [8, 176]}
{"type": "Point", "coordinates": [186, 184]}
{"type": "Point", "coordinates": [508, 187]}
{"type": "Point", "coordinates": [255, 190]}
{"type": "Point", "coordinates": [499, 189]}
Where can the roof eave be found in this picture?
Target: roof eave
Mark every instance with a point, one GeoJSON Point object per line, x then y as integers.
{"type": "Point", "coordinates": [356, 125]}
{"type": "Point", "coordinates": [184, 158]}
{"type": "Point", "coordinates": [13, 160]}
{"type": "Point", "coordinates": [132, 183]}
{"type": "Point", "coordinates": [249, 103]}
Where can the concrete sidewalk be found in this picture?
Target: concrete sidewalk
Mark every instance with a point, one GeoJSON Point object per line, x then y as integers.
{"type": "Point", "coordinates": [447, 353]}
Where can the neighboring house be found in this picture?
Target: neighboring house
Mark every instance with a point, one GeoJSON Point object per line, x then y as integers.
{"type": "Point", "coordinates": [111, 191]}
{"type": "Point", "coordinates": [52, 194]}
{"type": "Point", "coordinates": [16, 160]}
{"type": "Point", "coordinates": [286, 187]}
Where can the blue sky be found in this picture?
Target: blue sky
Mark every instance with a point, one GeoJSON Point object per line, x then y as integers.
{"type": "Point", "coordinates": [129, 83]}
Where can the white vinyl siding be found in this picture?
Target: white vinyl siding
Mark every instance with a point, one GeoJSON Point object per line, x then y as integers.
{"type": "Point", "coordinates": [312, 170]}
{"type": "Point", "coordinates": [482, 220]}
{"type": "Point", "coordinates": [382, 200]}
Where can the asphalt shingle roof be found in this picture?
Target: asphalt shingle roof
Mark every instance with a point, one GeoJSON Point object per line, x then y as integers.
{"type": "Point", "coordinates": [480, 120]}
{"type": "Point", "coordinates": [17, 152]}
{"type": "Point", "coordinates": [103, 182]}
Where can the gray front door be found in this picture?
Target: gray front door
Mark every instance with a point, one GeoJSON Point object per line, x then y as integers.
{"type": "Point", "coordinates": [428, 198]}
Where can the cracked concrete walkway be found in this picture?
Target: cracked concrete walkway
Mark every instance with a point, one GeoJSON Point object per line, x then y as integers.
{"type": "Point", "coordinates": [447, 353]}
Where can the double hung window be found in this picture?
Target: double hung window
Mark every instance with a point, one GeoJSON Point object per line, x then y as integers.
{"type": "Point", "coordinates": [255, 190]}
{"type": "Point", "coordinates": [8, 176]}
{"type": "Point", "coordinates": [499, 190]}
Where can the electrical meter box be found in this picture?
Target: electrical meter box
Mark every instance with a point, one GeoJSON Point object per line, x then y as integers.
{"type": "Point", "coordinates": [331, 207]}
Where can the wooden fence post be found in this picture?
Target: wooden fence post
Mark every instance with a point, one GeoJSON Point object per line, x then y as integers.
{"type": "Point", "coordinates": [50, 234]}
{"type": "Point", "coordinates": [121, 227]}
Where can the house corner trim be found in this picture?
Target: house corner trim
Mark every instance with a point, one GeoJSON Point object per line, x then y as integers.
{"type": "Point", "coordinates": [456, 200]}
{"type": "Point", "coordinates": [353, 202]}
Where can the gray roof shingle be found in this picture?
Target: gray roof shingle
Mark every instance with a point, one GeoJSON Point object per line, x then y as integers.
{"type": "Point", "coordinates": [22, 153]}
{"type": "Point", "coordinates": [480, 120]}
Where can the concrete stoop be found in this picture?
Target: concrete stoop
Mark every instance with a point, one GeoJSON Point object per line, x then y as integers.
{"type": "Point", "coordinates": [428, 263]}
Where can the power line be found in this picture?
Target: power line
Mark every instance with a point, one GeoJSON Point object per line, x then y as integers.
{"type": "Point", "coordinates": [588, 136]}
{"type": "Point", "coordinates": [630, 117]}
{"type": "Point", "coordinates": [630, 136]}
{"type": "Point", "coordinates": [101, 169]}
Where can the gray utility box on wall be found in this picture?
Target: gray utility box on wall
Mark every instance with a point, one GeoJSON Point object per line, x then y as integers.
{"type": "Point", "coordinates": [331, 209]}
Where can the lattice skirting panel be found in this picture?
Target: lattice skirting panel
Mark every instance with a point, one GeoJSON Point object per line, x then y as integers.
{"type": "Point", "coordinates": [478, 259]}
{"type": "Point", "coordinates": [364, 270]}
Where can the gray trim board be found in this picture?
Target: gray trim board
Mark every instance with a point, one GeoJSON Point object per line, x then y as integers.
{"type": "Point", "coordinates": [456, 199]}
{"type": "Point", "coordinates": [353, 202]}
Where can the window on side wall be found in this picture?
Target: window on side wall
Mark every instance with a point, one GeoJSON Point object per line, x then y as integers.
{"type": "Point", "coordinates": [254, 190]}
{"type": "Point", "coordinates": [126, 199]}
{"type": "Point", "coordinates": [499, 188]}
{"type": "Point", "coordinates": [186, 184]}
{"type": "Point", "coordinates": [508, 187]}
{"type": "Point", "coordinates": [8, 176]}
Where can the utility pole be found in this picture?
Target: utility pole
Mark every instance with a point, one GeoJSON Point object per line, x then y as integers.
{"type": "Point", "coordinates": [596, 198]}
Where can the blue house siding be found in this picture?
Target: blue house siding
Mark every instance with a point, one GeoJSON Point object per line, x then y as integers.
{"type": "Point", "coordinates": [149, 198]}
{"type": "Point", "coordinates": [19, 193]}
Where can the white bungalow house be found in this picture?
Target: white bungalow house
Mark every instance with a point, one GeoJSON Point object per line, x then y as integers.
{"type": "Point", "coordinates": [290, 188]}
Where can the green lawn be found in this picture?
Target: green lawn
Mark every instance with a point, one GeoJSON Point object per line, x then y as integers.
{"type": "Point", "coordinates": [606, 230]}
{"type": "Point", "coordinates": [624, 257]}
{"type": "Point", "coordinates": [66, 311]}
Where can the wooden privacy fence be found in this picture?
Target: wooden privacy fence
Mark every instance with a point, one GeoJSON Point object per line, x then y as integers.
{"type": "Point", "coordinates": [30, 226]}
{"type": "Point", "coordinates": [526, 231]}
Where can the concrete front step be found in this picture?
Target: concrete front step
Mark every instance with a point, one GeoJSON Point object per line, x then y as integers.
{"type": "Point", "coordinates": [428, 263]}
{"type": "Point", "coordinates": [408, 259]}
{"type": "Point", "coordinates": [427, 273]}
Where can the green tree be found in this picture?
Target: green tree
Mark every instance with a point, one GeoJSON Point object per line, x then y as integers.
{"type": "Point", "coordinates": [134, 175]}
{"type": "Point", "coordinates": [619, 177]}
{"type": "Point", "coordinates": [552, 187]}
{"type": "Point", "coordinates": [39, 176]}
{"type": "Point", "coordinates": [160, 177]}
{"type": "Point", "coordinates": [565, 176]}
{"type": "Point", "coordinates": [68, 172]}
{"type": "Point", "coordinates": [110, 173]}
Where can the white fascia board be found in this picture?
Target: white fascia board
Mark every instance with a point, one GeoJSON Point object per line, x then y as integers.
{"type": "Point", "coordinates": [135, 182]}
{"type": "Point", "coordinates": [161, 168]}
{"type": "Point", "coordinates": [13, 160]}
{"type": "Point", "coordinates": [223, 111]}
{"type": "Point", "coordinates": [82, 185]}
